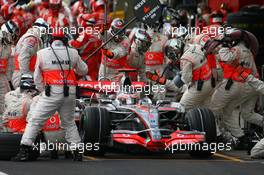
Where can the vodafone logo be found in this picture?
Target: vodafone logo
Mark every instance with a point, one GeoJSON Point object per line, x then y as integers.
{"type": "Point", "coordinates": [53, 120]}
{"type": "Point", "coordinates": [119, 23]}
{"type": "Point", "coordinates": [146, 9]}
{"type": "Point", "coordinates": [150, 56]}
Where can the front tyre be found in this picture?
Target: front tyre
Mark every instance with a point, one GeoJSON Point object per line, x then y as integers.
{"type": "Point", "coordinates": [95, 130]}
{"type": "Point", "coordinates": [202, 119]}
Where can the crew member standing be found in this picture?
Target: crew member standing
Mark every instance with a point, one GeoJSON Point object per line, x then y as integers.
{"type": "Point", "coordinates": [136, 58]}
{"type": "Point", "coordinates": [116, 52]}
{"type": "Point", "coordinates": [196, 73]}
{"type": "Point", "coordinates": [87, 43]}
{"type": "Point", "coordinates": [26, 50]}
{"type": "Point", "coordinates": [55, 77]}
{"type": "Point", "coordinates": [56, 15]}
{"type": "Point", "coordinates": [234, 91]}
{"type": "Point", "coordinates": [8, 36]}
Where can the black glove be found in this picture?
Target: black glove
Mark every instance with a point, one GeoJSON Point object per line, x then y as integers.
{"type": "Point", "coordinates": [69, 36]}
{"type": "Point", "coordinates": [178, 81]}
{"type": "Point", "coordinates": [226, 42]}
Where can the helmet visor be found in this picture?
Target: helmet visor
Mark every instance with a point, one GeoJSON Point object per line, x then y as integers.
{"type": "Point", "coordinates": [172, 53]}
{"type": "Point", "coordinates": [142, 45]}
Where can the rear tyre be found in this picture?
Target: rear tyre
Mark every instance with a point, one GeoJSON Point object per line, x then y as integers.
{"type": "Point", "coordinates": [95, 130]}
{"type": "Point", "coordinates": [202, 119]}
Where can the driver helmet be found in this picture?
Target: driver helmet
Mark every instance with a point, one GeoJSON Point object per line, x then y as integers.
{"type": "Point", "coordinates": [42, 26]}
{"type": "Point", "coordinates": [116, 25]}
{"type": "Point", "coordinates": [127, 98]}
{"type": "Point", "coordinates": [174, 49]}
{"type": "Point", "coordinates": [55, 5]}
{"type": "Point", "coordinates": [27, 82]}
{"type": "Point", "coordinates": [86, 20]}
{"type": "Point", "coordinates": [10, 32]}
{"type": "Point", "coordinates": [146, 101]}
{"type": "Point", "coordinates": [142, 40]}
{"type": "Point", "coordinates": [97, 5]}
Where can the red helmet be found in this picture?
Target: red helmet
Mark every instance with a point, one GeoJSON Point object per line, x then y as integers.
{"type": "Point", "coordinates": [45, 3]}
{"type": "Point", "coordinates": [86, 20]}
{"type": "Point", "coordinates": [55, 5]}
{"type": "Point", "coordinates": [216, 18]}
{"type": "Point", "coordinates": [97, 5]}
{"type": "Point", "coordinates": [58, 33]}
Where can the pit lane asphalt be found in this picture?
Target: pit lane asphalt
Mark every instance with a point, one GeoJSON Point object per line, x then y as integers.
{"type": "Point", "coordinates": [236, 162]}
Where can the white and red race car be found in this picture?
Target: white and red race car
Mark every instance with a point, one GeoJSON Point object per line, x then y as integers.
{"type": "Point", "coordinates": [128, 121]}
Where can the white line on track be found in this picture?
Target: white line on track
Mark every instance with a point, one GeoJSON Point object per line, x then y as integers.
{"type": "Point", "coordinates": [2, 173]}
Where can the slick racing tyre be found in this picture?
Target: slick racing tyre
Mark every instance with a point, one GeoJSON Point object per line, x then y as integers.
{"type": "Point", "coordinates": [202, 119]}
{"type": "Point", "coordinates": [9, 145]}
{"type": "Point", "coordinates": [95, 130]}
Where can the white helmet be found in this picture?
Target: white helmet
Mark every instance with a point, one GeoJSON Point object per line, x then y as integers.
{"type": "Point", "coordinates": [10, 32]}
{"type": "Point", "coordinates": [117, 25]}
{"type": "Point", "coordinates": [42, 28]}
{"type": "Point", "coordinates": [174, 49]}
{"type": "Point", "coordinates": [27, 82]}
{"type": "Point", "coordinates": [142, 40]}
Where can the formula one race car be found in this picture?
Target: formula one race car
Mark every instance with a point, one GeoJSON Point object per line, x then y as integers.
{"type": "Point", "coordinates": [131, 122]}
